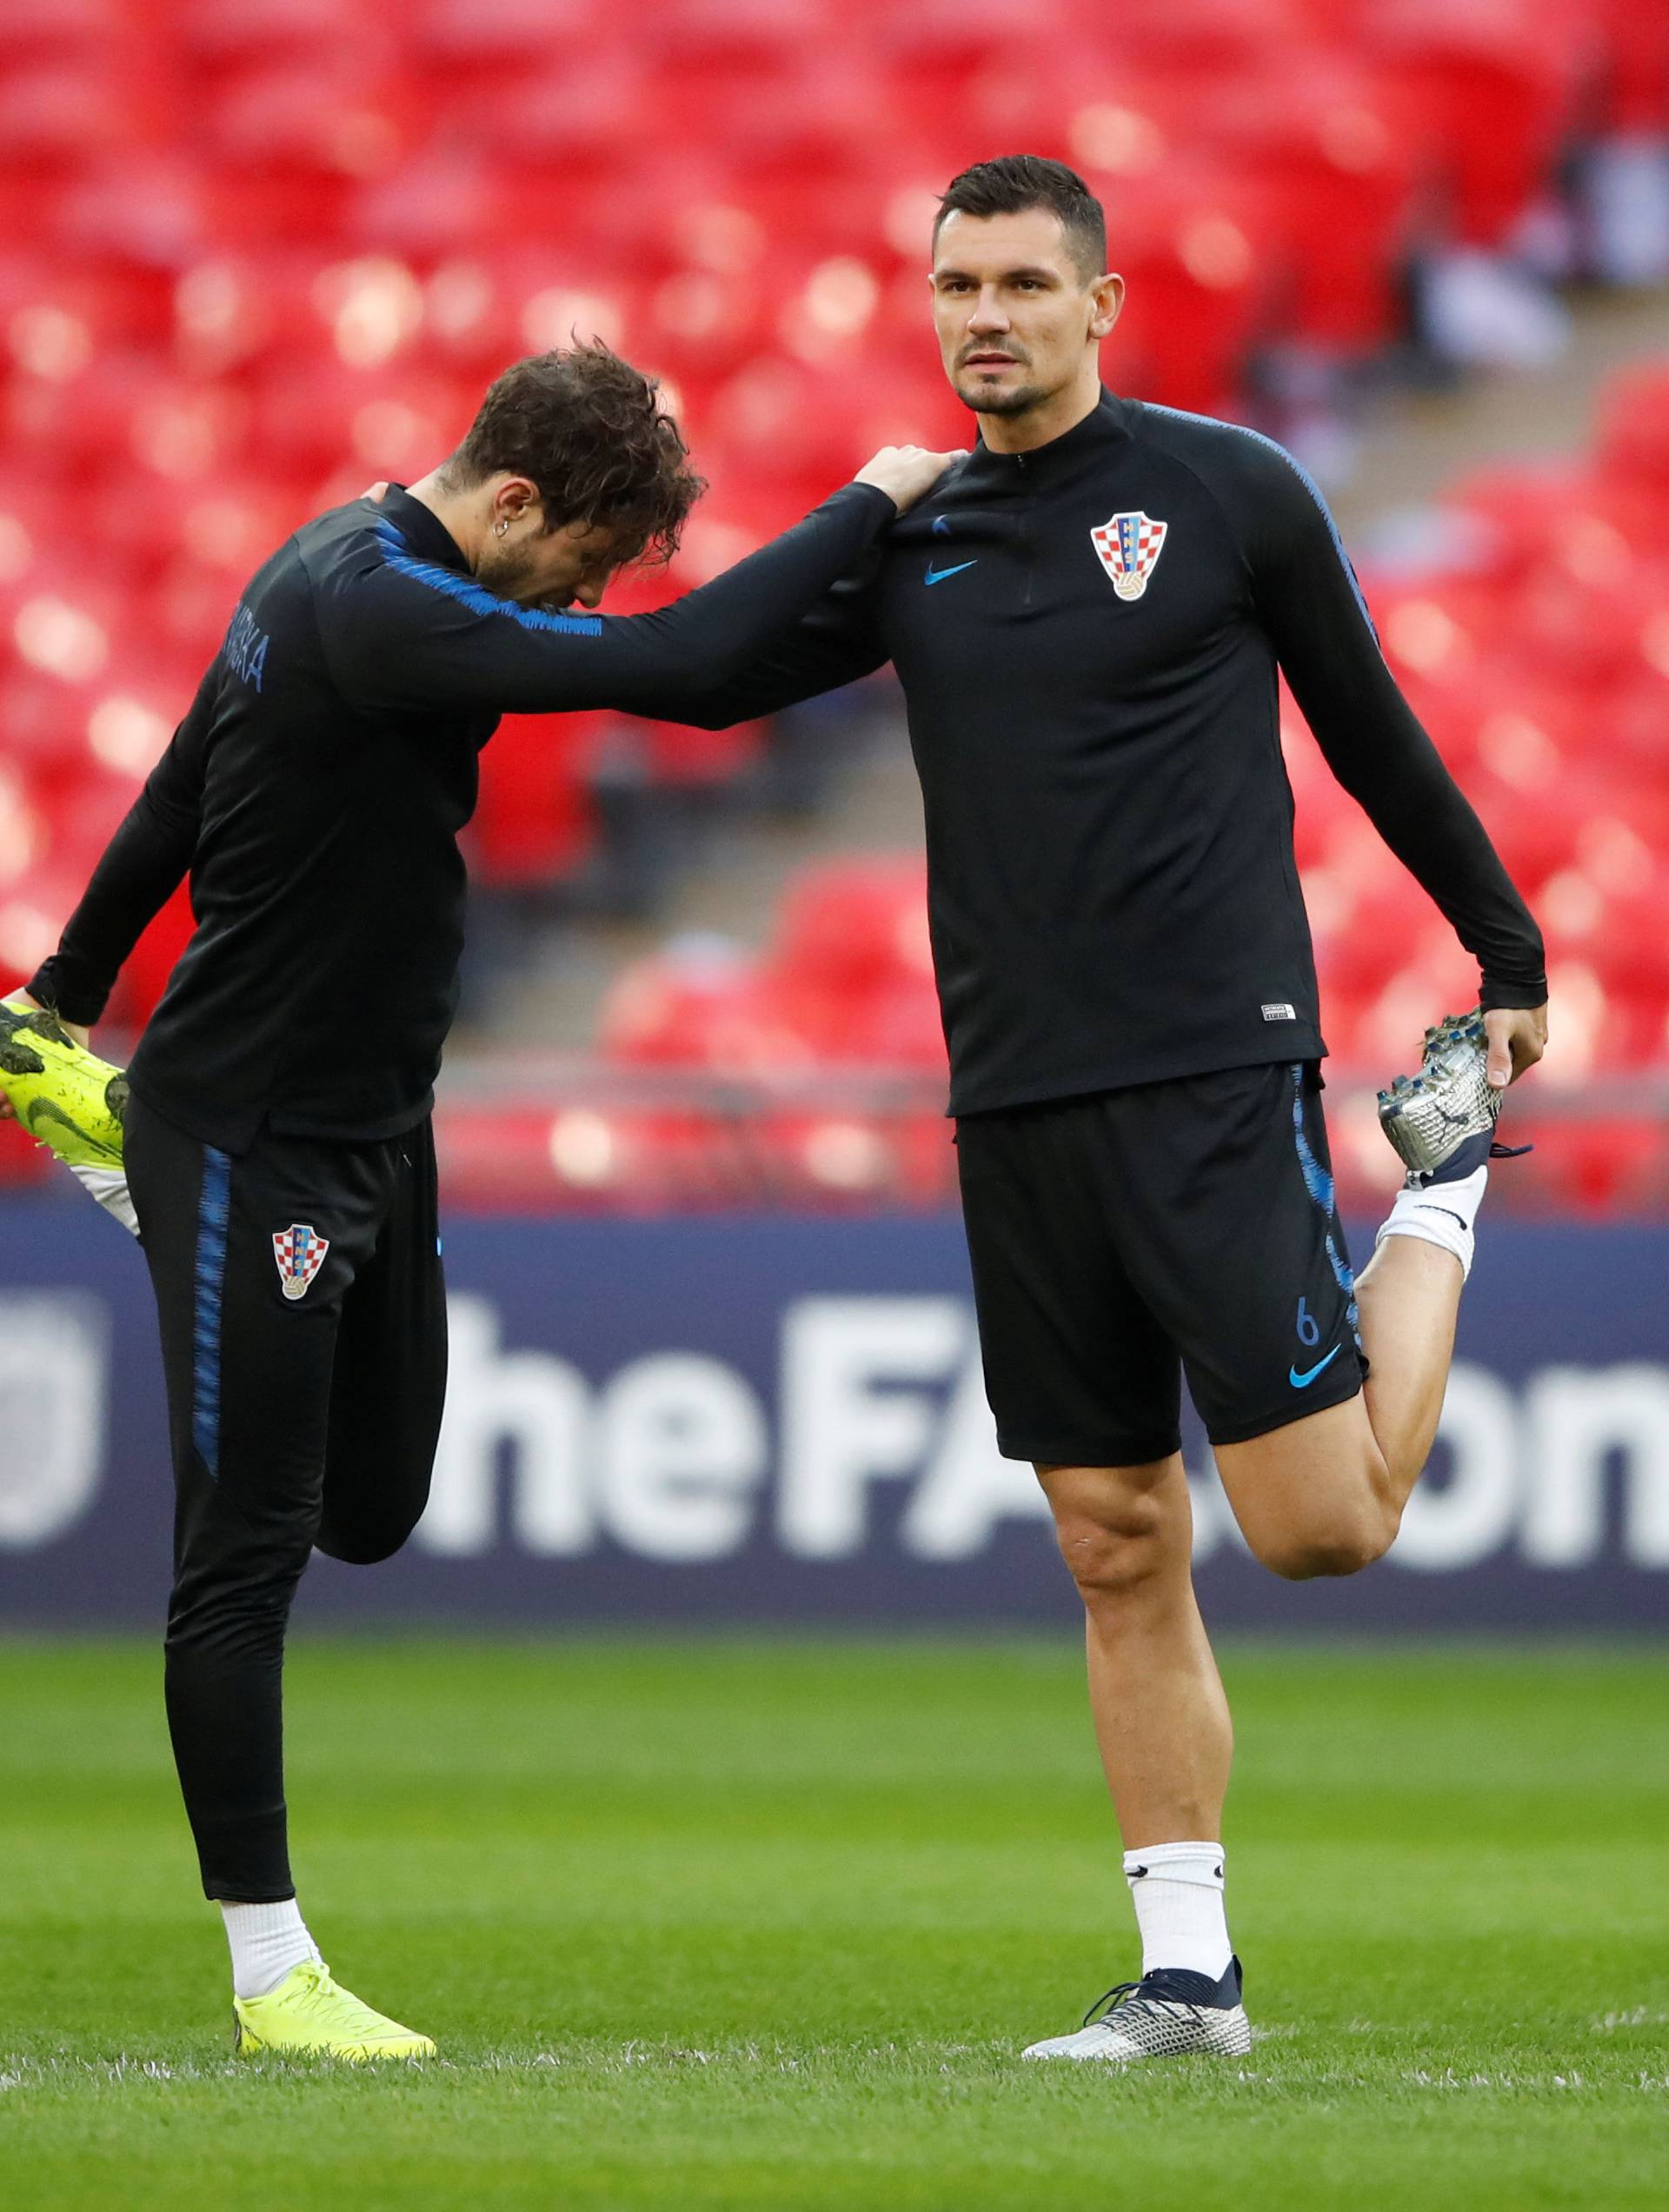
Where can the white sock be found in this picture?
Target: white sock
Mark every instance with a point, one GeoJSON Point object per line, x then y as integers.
{"type": "Point", "coordinates": [1177, 1892]}
{"type": "Point", "coordinates": [266, 1941]}
{"type": "Point", "coordinates": [110, 1187]}
{"type": "Point", "coordinates": [1442, 1214]}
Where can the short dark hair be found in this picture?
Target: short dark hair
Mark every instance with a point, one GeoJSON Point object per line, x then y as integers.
{"type": "Point", "coordinates": [588, 429]}
{"type": "Point", "coordinates": [1015, 181]}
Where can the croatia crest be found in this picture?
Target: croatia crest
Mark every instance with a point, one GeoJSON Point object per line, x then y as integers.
{"type": "Point", "coordinates": [300, 1253]}
{"type": "Point", "coordinates": [1128, 546]}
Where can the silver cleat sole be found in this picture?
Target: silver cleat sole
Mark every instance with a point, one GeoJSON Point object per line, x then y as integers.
{"type": "Point", "coordinates": [1151, 2028]}
{"type": "Point", "coordinates": [1427, 1117]}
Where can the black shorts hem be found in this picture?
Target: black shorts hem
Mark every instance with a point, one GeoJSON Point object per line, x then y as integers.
{"type": "Point", "coordinates": [1054, 1453]}
{"type": "Point", "coordinates": [1283, 1417]}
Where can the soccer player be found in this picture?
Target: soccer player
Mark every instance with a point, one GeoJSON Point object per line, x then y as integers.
{"type": "Point", "coordinates": [1086, 617]}
{"type": "Point", "coordinates": [277, 1143]}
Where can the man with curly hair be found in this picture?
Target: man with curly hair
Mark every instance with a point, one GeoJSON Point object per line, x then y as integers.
{"type": "Point", "coordinates": [277, 1158]}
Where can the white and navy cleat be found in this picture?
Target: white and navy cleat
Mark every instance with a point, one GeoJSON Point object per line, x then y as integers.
{"type": "Point", "coordinates": [1441, 1121]}
{"type": "Point", "coordinates": [1168, 2014]}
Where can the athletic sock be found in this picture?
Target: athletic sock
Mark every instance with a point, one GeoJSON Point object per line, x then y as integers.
{"type": "Point", "coordinates": [1442, 1214]}
{"type": "Point", "coordinates": [266, 1942]}
{"type": "Point", "coordinates": [1177, 1892]}
{"type": "Point", "coordinates": [110, 1187]}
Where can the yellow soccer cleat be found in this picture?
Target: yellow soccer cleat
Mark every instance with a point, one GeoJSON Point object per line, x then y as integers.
{"type": "Point", "coordinates": [309, 2012]}
{"type": "Point", "coordinates": [65, 1096]}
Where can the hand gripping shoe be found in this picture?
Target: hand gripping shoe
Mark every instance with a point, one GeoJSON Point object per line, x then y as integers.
{"type": "Point", "coordinates": [65, 1096]}
{"type": "Point", "coordinates": [1441, 1121]}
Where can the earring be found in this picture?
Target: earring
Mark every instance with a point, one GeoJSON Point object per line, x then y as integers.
{"type": "Point", "coordinates": [499, 529]}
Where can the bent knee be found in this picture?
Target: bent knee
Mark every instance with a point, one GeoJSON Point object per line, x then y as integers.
{"type": "Point", "coordinates": [362, 1547]}
{"type": "Point", "coordinates": [1111, 1559]}
{"type": "Point", "coordinates": [1341, 1546]}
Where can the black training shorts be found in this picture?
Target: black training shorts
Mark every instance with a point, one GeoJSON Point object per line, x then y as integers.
{"type": "Point", "coordinates": [302, 1303]}
{"type": "Point", "coordinates": [1119, 1237]}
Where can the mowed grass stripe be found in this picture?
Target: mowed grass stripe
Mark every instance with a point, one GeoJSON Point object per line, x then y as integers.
{"type": "Point", "coordinates": [756, 1922]}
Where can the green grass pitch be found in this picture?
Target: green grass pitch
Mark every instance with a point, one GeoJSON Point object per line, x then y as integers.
{"type": "Point", "coordinates": [765, 1924]}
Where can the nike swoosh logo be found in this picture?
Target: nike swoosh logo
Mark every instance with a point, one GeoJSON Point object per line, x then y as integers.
{"type": "Point", "coordinates": [1302, 1381]}
{"type": "Point", "coordinates": [938, 575]}
{"type": "Point", "coordinates": [43, 1115]}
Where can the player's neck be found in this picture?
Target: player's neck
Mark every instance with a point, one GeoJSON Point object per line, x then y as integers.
{"type": "Point", "coordinates": [1040, 425]}
{"type": "Point", "coordinates": [459, 513]}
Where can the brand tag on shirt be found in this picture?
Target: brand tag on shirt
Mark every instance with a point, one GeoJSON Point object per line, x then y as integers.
{"type": "Point", "coordinates": [1280, 1012]}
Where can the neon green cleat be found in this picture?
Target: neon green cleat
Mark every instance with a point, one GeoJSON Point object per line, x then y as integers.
{"type": "Point", "coordinates": [65, 1096]}
{"type": "Point", "coordinates": [309, 2012]}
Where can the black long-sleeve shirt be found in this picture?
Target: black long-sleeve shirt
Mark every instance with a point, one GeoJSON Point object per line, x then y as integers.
{"type": "Point", "coordinates": [316, 787]}
{"type": "Point", "coordinates": [1087, 636]}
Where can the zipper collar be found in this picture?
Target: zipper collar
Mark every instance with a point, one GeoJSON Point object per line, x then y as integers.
{"type": "Point", "coordinates": [420, 526]}
{"type": "Point", "coordinates": [1103, 430]}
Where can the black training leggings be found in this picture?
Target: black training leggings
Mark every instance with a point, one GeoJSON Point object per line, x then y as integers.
{"type": "Point", "coordinates": [303, 1323]}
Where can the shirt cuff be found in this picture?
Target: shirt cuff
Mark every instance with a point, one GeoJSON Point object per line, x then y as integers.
{"type": "Point", "coordinates": [73, 997]}
{"type": "Point", "coordinates": [1501, 995]}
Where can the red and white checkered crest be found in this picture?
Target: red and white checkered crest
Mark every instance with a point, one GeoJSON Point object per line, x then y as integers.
{"type": "Point", "coordinates": [1128, 546]}
{"type": "Point", "coordinates": [300, 1253]}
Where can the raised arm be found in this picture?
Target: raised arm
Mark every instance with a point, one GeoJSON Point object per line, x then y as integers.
{"type": "Point", "coordinates": [398, 630]}
{"type": "Point", "coordinates": [142, 865]}
{"type": "Point", "coordinates": [1312, 605]}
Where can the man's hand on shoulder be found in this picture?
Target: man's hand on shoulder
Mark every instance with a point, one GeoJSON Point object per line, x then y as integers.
{"type": "Point", "coordinates": [1517, 1037]}
{"type": "Point", "coordinates": [905, 473]}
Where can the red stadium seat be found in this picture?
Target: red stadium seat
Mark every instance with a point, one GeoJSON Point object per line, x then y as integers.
{"type": "Point", "coordinates": [1199, 259]}
{"type": "Point", "coordinates": [55, 317]}
{"type": "Point", "coordinates": [1634, 426]}
{"type": "Point", "coordinates": [717, 37]}
{"type": "Point", "coordinates": [936, 46]}
{"type": "Point", "coordinates": [38, 27]}
{"type": "Point", "coordinates": [1609, 1164]}
{"type": "Point", "coordinates": [535, 821]}
{"type": "Point", "coordinates": [1335, 180]}
{"type": "Point", "coordinates": [320, 414]}
{"type": "Point", "coordinates": [699, 1003]}
{"type": "Point", "coordinates": [238, 32]}
{"type": "Point", "coordinates": [678, 755]}
{"type": "Point", "coordinates": [460, 39]}
{"type": "Point", "coordinates": [801, 430]}
{"type": "Point", "coordinates": [575, 120]}
{"type": "Point", "coordinates": [1213, 37]}
{"type": "Point", "coordinates": [333, 114]}
{"type": "Point", "coordinates": [1524, 510]}
{"type": "Point", "coordinates": [1486, 94]}
{"type": "Point", "coordinates": [1636, 67]}
{"type": "Point", "coordinates": [855, 924]}
{"type": "Point", "coordinates": [148, 967]}
{"type": "Point", "coordinates": [62, 112]}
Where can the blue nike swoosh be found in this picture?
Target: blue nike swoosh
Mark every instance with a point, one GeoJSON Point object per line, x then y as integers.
{"type": "Point", "coordinates": [938, 575]}
{"type": "Point", "coordinates": [1300, 1382]}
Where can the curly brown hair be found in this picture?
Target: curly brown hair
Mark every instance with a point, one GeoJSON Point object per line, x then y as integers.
{"type": "Point", "coordinates": [588, 429]}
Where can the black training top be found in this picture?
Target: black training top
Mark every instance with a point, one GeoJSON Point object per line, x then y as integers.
{"type": "Point", "coordinates": [317, 789]}
{"type": "Point", "coordinates": [1087, 636]}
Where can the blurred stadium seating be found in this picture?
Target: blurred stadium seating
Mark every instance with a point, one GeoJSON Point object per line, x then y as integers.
{"type": "Point", "coordinates": [257, 252]}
